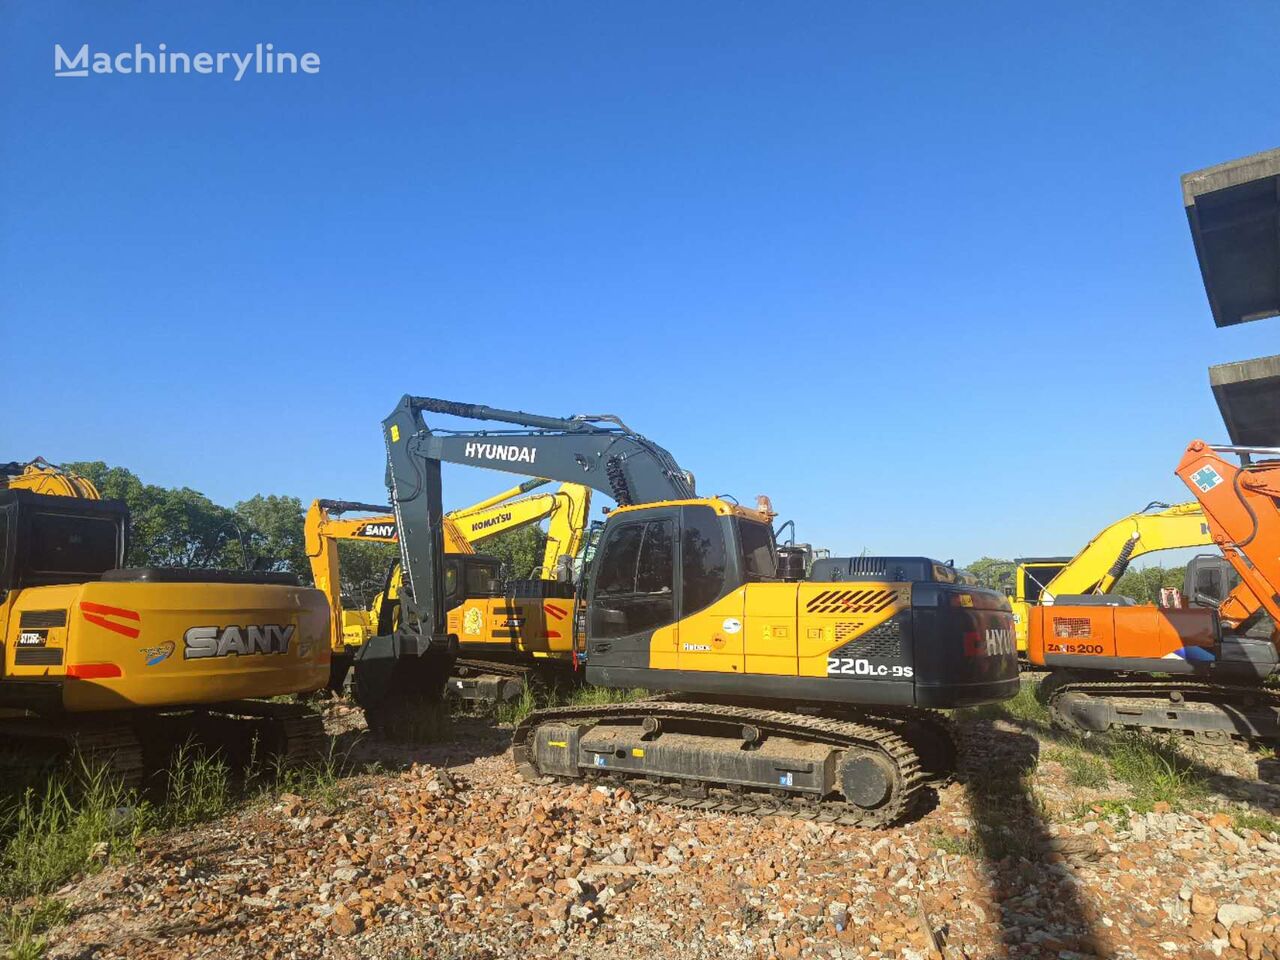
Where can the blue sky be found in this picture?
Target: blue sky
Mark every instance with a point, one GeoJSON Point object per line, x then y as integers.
{"type": "Point", "coordinates": [922, 275]}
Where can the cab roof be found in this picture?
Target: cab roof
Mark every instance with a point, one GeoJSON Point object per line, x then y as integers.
{"type": "Point", "coordinates": [722, 507]}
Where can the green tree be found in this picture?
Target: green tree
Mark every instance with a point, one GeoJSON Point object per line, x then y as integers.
{"type": "Point", "coordinates": [992, 572]}
{"type": "Point", "coordinates": [169, 527]}
{"type": "Point", "coordinates": [272, 527]}
{"type": "Point", "coordinates": [364, 569]}
{"type": "Point", "coordinates": [519, 550]}
{"type": "Point", "coordinates": [181, 527]}
{"type": "Point", "coordinates": [1144, 585]}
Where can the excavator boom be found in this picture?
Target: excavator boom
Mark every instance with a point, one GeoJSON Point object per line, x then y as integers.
{"type": "Point", "coordinates": [1242, 505]}
{"type": "Point", "coordinates": [1102, 562]}
{"type": "Point", "coordinates": [599, 452]}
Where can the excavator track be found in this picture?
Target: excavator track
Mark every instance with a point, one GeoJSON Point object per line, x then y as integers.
{"type": "Point", "coordinates": [500, 681]}
{"type": "Point", "coordinates": [286, 734]}
{"type": "Point", "coordinates": [1085, 704]}
{"type": "Point", "coordinates": [861, 772]}
{"type": "Point", "coordinates": [34, 749]}
{"type": "Point", "coordinates": [127, 752]}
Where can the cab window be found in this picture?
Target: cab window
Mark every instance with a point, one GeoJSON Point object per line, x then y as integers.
{"type": "Point", "coordinates": [635, 580]}
{"type": "Point", "coordinates": [655, 569]}
{"type": "Point", "coordinates": [479, 576]}
{"type": "Point", "coordinates": [69, 544]}
{"type": "Point", "coordinates": [759, 555]}
{"type": "Point", "coordinates": [702, 560]}
{"type": "Point", "coordinates": [1036, 579]}
{"type": "Point", "coordinates": [4, 550]}
{"type": "Point", "coordinates": [617, 570]}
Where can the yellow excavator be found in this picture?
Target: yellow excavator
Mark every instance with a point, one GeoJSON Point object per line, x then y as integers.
{"type": "Point", "coordinates": [1103, 561]}
{"type": "Point", "coordinates": [808, 697]}
{"type": "Point", "coordinates": [470, 577]}
{"type": "Point", "coordinates": [113, 662]}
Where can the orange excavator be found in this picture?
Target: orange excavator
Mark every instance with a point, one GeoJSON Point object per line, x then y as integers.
{"type": "Point", "coordinates": [1201, 667]}
{"type": "Point", "coordinates": [1196, 668]}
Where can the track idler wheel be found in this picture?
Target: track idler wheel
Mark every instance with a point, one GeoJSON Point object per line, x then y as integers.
{"type": "Point", "coordinates": [867, 780]}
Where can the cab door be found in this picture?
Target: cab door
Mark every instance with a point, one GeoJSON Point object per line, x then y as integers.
{"type": "Point", "coordinates": [711, 619]}
{"type": "Point", "coordinates": [633, 607]}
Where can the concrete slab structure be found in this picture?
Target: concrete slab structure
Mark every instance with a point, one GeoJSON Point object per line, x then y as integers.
{"type": "Point", "coordinates": [1234, 213]}
{"type": "Point", "coordinates": [1248, 394]}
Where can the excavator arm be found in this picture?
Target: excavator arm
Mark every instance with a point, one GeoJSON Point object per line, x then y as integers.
{"type": "Point", "coordinates": [325, 524]}
{"type": "Point", "coordinates": [599, 452]}
{"type": "Point", "coordinates": [1103, 561]}
{"type": "Point", "coordinates": [566, 511]}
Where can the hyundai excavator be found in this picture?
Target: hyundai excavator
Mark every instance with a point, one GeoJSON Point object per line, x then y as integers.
{"type": "Point", "coordinates": [783, 696]}
{"type": "Point", "coordinates": [106, 660]}
{"type": "Point", "coordinates": [1095, 569]}
{"type": "Point", "coordinates": [534, 610]}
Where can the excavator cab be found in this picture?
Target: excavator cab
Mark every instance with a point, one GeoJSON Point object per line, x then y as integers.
{"type": "Point", "coordinates": [1208, 580]}
{"type": "Point", "coordinates": [47, 540]}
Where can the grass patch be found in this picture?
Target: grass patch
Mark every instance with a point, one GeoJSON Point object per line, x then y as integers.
{"type": "Point", "coordinates": [80, 819]}
{"type": "Point", "coordinates": [1153, 771]}
{"type": "Point", "coordinates": [198, 789]}
{"type": "Point", "coordinates": [1024, 707]}
{"type": "Point", "coordinates": [1083, 769]}
{"type": "Point", "coordinates": [23, 932]}
{"type": "Point", "coordinates": [586, 696]}
{"type": "Point", "coordinates": [321, 781]}
{"type": "Point", "coordinates": [962, 846]}
{"type": "Point", "coordinates": [513, 711]}
{"type": "Point", "coordinates": [66, 828]}
{"type": "Point", "coordinates": [1249, 820]}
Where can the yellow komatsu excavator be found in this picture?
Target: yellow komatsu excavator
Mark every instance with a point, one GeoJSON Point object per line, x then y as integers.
{"type": "Point", "coordinates": [1103, 561]}
{"type": "Point", "coordinates": [113, 661]}
{"type": "Point", "coordinates": [498, 617]}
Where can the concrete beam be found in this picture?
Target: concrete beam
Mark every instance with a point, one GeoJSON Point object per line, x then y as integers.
{"type": "Point", "coordinates": [1248, 394]}
{"type": "Point", "coordinates": [1233, 210]}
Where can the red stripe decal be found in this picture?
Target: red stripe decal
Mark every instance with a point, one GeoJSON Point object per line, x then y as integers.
{"type": "Point", "coordinates": [553, 635]}
{"type": "Point", "coordinates": [93, 671]}
{"type": "Point", "coordinates": [554, 610]}
{"type": "Point", "coordinates": [97, 613]}
{"type": "Point", "coordinates": [102, 608]}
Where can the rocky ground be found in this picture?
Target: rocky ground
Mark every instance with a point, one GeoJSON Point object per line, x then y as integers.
{"type": "Point", "coordinates": [444, 853]}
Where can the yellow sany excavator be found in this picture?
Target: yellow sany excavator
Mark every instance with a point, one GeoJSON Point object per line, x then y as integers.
{"type": "Point", "coordinates": [109, 660]}
{"type": "Point", "coordinates": [1103, 561]}
{"type": "Point", "coordinates": [470, 577]}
